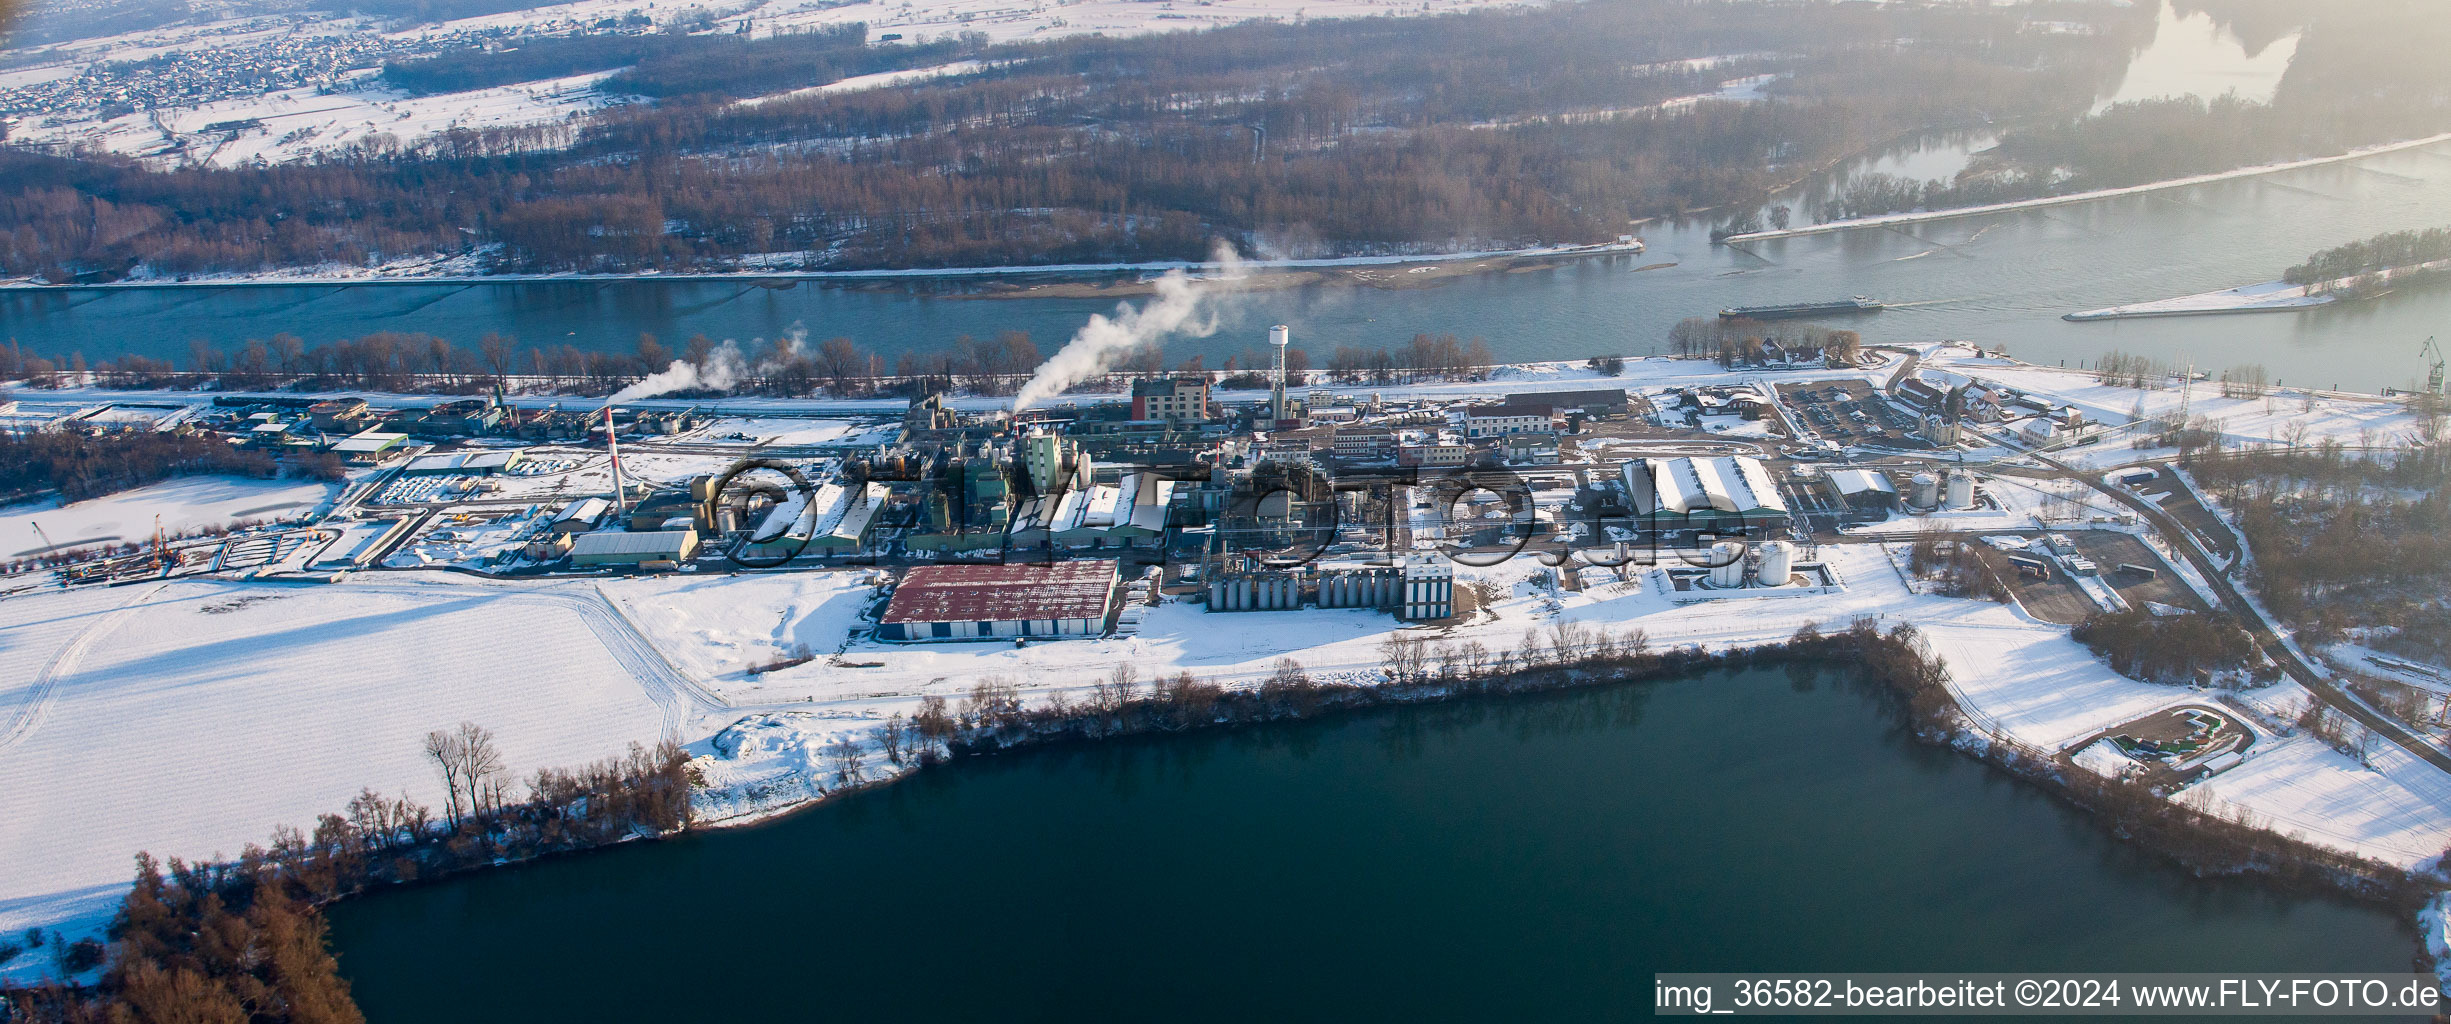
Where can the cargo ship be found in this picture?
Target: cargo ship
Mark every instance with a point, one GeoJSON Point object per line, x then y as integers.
{"type": "Point", "coordinates": [1790, 311]}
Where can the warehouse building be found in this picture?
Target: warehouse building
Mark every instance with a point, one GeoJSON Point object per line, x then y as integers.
{"type": "Point", "coordinates": [658, 549]}
{"type": "Point", "coordinates": [1702, 491]}
{"type": "Point", "coordinates": [973, 602]}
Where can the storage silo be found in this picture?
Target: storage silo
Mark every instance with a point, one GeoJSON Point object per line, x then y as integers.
{"type": "Point", "coordinates": [1961, 490]}
{"type": "Point", "coordinates": [1778, 562]}
{"type": "Point", "coordinates": [1727, 565]}
{"type": "Point", "coordinates": [1926, 488]}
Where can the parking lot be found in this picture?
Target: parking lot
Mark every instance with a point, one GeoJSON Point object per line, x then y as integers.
{"type": "Point", "coordinates": [1850, 412]}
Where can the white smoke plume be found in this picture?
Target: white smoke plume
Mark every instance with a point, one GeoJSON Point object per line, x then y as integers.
{"type": "Point", "coordinates": [1181, 306]}
{"type": "Point", "coordinates": [723, 368]}
{"type": "Point", "coordinates": [790, 348]}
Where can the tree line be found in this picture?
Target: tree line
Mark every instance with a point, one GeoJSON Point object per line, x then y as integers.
{"type": "Point", "coordinates": [80, 465]}
{"type": "Point", "coordinates": [2382, 252]}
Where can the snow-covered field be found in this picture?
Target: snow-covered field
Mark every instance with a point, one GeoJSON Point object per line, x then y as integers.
{"type": "Point", "coordinates": [324, 116]}
{"type": "Point", "coordinates": [1005, 20]}
{"type": "Point", "coordinates": [183, 504]}
{"type": "Point", "coordinates": [298, 123]}
{"type": "Point", "coordinates": [190, 719]}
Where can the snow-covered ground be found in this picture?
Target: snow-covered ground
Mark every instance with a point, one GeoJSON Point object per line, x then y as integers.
{"type": "Point", "coordinates": [1004, 20]}
{"type": "Point", "coordinates": [880, 80]}
{"type": "Point", "coordinates": [190, 719]}
{"type": "Point", "coordinates": [183, 504]}
{"type": "Point", "coordinates": [326, 115]}
{"type": "Point", "coordinates": [2287, 415]}
{"type": "Point", "coordinates": [2270, 296]}
{"type": "Point", "coordinates": [302, 122]}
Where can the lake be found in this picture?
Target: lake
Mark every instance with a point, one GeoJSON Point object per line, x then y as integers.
{"type": "Point", "coordinates": [1522, 858]}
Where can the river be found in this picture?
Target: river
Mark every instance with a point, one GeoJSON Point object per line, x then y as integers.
{"type": "Point", "coordinates": [1499, 859]}
{"type": "Point", "coordinates": [1999, 280]}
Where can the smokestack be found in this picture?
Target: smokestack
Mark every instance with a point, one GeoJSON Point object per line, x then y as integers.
{"type": "Point", "coordinates": [612, 444]}
{"type": "Point", "coordinates": [1279, 336]}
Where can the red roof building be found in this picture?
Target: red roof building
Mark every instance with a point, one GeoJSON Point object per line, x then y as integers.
{"type": "Point", "coordinates": [972, 602]}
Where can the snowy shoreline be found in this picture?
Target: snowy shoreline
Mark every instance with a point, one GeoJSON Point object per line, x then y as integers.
{"type": "Point", "coordinates": [323, 277]}
{"type": "Point", "coordinates": [2268, 297]}
{"type": "Point", "coordinates": [1920, 216]}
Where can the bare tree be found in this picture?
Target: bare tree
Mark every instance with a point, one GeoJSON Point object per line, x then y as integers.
{"type": "Point", "coordinates": [847, 760]}
{"type": "Point", "coordinates": [890, 737]}
{"type": "Point", "coordinates": [444, 749]}
{"type": "Point", "coordinates": [481, 770]}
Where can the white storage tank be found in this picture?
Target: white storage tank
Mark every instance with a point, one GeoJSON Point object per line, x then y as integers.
{"type": "Point", "coordinates": [1927, 490]}
{"type": "Point", "coordinates": [1961, 490]}
{"type": "Point", "coordinates": [1727, 563]}
{"type": "Point", "coordinates": [1778, 562]}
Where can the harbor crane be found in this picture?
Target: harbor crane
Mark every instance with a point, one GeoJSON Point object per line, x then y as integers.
{"type": "Point", "coordinates": [2434, 370]}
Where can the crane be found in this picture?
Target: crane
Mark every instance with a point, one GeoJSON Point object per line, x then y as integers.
{"type": "Point", "coordinates": [2434, 370]}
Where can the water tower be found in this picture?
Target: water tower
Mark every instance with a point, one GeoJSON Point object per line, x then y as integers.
{"type": "Point", "coordinates": [1279, 336]}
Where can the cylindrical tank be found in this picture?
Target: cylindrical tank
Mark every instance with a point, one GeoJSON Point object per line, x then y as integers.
{"type": "Point", "coordinates": [1216, 595]}
{"type": "Point", "coordinates": [1280, 335]}
{"type": "Point", "coordinates": [1926, 490]}
{"type": "Point", "coordinates": [1961, 490]}
{"type": "Point", "coordinates": [1727, 565]}
{"type": "Point", "coordinates": [1778, 561]}
{"type": "Point", "coordinates": [1242, 595]}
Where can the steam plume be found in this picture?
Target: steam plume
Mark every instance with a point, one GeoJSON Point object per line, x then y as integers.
{"type": "Point", "coordinates": [1177, 308]}
{"type": "Point", "coordinates": [722, 369]}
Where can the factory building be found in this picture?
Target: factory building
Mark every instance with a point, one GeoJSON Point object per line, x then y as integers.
{"type": "Point", "coordinates": [1702, 491]}
{"type": "Point", "coordinates": [838, 520]}
{"type": "Point", "coordinates": [1503, 419]}
{"type": "Point", "coordinates": [580, 515]}
{"type": "Point", "coordinates": [369, 446]}
{"type": "Point", "coordinates": [972, 602]}
{"type": "Point", "coordinates": [1601, 403]}
{"type": "Point", "coordinates": [1429, 588]}
{"type": "Point", "coordinates": [1867, 494]}
{"type": "Point", "coordinates": [658, 549]}
{"type": "Point", "coordinates": [1128, 513]}
{"type": "Point", "coordinates": [339, 415]}
{"type": "Point", "coordinates": [1173, 399]}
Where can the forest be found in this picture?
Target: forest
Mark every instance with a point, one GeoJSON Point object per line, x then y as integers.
{"type": "Point", "coordinates": [2365, 72]}
{"type": "Point", "coordinates": [1326, 138]}
{"type": "Point", "coordinates": [80, 465]}
{"type": "Point", "coordinates": [2347, 541]}
{"type": "Point", "coordinates": [2176, 649]}
{"type": "Point", "coordinates": [2382, 252]}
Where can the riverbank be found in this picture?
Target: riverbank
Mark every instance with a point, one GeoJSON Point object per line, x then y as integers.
{"type": "Point", "coordinates": [1920, 216]}
{"type": "Point", "coordinates": [2268, 297]}
{"type": "Point", "coordinates": [458, 271]}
